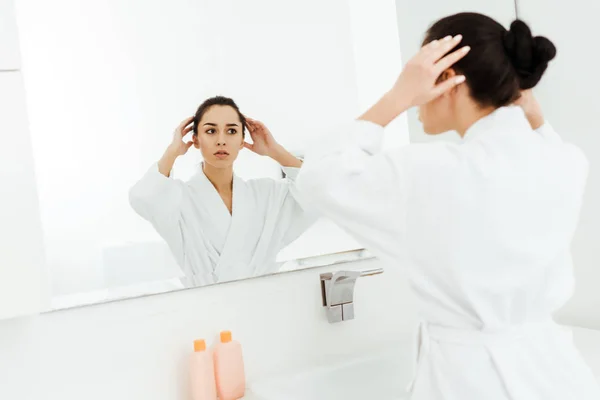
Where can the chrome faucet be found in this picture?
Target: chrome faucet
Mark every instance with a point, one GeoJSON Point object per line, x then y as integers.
{"type": "Point", "coordinates": [337, 290]}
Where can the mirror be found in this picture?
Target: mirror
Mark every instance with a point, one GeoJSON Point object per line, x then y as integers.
{"type": "Point", "coordinates": [109, 82]}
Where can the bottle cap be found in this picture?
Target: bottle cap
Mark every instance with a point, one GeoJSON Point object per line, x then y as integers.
{"type": "Point", "coordinates": [225, 336]}
{"type": "Point", "coordinates": [199, 345]}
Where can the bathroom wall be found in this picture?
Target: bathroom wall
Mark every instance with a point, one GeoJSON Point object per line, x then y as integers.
{"type": "Point", "coordinates": [22, 285]}
{"type": "Point", "coordinates": [569, 96]}
{"type": "Point", "coordinates": [138, 349]}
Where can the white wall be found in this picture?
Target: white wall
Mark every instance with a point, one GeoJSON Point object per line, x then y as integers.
{"type": "Point", "coordinates": [569, 96]}
{"type": "Point", "coordinates": [10, 59]}
{"type": "Point", "coordinates": [139, 349]}
{"type": "Point", "coordinates": [415, 17]}
{"type": "Point", "coordinates": [21, 249]}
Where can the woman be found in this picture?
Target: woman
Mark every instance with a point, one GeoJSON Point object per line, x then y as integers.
{"type": "Point", "coordinates": [483, 227]}
{"type": "Point", "coordinates": [218, 226]}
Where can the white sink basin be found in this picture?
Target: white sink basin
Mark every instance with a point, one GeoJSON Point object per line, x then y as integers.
{"type": "Point", "coordinates": [381, 377]}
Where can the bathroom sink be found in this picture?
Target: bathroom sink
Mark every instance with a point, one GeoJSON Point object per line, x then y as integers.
{"type": "Point", "coordinates": [382, 377]}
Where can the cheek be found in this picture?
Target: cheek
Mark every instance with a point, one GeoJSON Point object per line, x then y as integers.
{"type": "Point", "coordinates": [430, 115]}
{"type": "Point", "coordinates": [236, 140]}
{"type": "Point", "coordinates": [424, 113]}
{"type": "Point", "coordinates": [204, 141]}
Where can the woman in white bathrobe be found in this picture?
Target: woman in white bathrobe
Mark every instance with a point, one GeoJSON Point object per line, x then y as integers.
{"type": "Point", "coordinates": [218, 226]}
{"type": "Point", "coordinates": [482, 228]}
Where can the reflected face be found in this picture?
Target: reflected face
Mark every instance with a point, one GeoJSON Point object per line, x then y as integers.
{"type": "Point", "coordinates": [220, 136]}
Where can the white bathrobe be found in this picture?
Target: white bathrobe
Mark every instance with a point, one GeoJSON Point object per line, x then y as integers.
{"type": "Point", "coordinates": [210, 244]}
{"type": "Point", "coordinates": [482, 229]}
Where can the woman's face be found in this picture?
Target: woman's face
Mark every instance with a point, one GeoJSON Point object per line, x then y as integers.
{"type": "Point", "coordinates": [220, 136]}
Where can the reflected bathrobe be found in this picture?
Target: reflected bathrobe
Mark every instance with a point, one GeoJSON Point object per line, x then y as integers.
{"type": "Point", "coordinates": [482, 229]}
{"type": "Point", "coordinates": [210, 244]}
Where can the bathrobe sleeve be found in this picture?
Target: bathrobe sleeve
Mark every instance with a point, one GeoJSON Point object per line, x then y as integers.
{"type": "Point", "coordinates": [157, 199]}
{"type": "Point", "coordinates": [348, 179]}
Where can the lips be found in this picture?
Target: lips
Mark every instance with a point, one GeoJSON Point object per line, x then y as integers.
{"type": "Point", "coordinates": [221, 154]}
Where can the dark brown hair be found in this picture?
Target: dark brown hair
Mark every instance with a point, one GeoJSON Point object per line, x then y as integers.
{"type": "Point", "coordinates": [501, 62]}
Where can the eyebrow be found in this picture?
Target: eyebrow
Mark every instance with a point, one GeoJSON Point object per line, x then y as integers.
{"type": "Point", "coordinates": [211, 124]}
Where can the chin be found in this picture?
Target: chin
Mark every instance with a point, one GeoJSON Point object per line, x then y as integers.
{"type": "Point", "coordinates": [431, 131]}
{"type": "Point", "coordinates": [223, 163]}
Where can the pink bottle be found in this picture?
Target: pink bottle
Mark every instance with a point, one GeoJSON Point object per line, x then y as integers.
{"type": "Point", "coordinates": [202, 373]}
{"type": "Point", "coordinates": [229, 368]}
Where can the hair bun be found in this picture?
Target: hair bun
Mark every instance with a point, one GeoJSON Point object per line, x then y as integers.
{"type": "Point", "coordinates": [529, 55]}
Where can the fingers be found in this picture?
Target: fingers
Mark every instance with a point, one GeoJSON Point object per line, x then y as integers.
{"type": "Point", "coordinates": [255, 123]}
{"type": "Point", "coordinates": [447, 85]}
{"type": "Point", "coordinates": [189, 144]}
{"type": "Point", "coordinates": [248, 146]}
{"type": "Point", "coordinates": [450, 60]}
{"type": "Point", "coordinates": [435, 51]}
{"type": "Point", "coordinates": [187, 130]}
{"type": "Point", "coordinates": [250, 124]}
{"type": "Point", "coordinates": [185, 123]}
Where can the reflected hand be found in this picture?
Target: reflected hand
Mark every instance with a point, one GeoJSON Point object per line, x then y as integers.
{"type": "Point", "coordinates": [264, 143]}
{"type": "Point", "coordinates": [417, 84]}
{"type": "Point", "coordinates": [178, 146]}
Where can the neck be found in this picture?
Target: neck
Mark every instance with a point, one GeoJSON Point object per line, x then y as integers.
{"type": "Point", "coordinates": [470, 114]}
{"type": "Point", "coordinates": [221, 178]}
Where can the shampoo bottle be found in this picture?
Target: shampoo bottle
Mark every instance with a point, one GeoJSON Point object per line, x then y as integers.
{"type": "Point", "coordinates": [229, 368]}
{"type": "Point", "coordinates": [202, 373]}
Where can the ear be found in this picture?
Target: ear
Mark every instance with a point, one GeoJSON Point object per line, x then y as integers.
{"type": "Point", "coordinates": [447, 74]}
{"type": "Point", "coordinates": [196, 141]}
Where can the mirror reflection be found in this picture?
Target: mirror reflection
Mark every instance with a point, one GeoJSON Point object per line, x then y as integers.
{"type": "Point", "coordinates": [167, 138]}
{"type": "Point", "coordinates": [219, 226]}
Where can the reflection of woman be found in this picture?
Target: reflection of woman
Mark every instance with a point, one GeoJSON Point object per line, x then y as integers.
{"type": "Point", "coordinates": [483, 227]}
{"type": "Point", "coordinates": [218, 226]}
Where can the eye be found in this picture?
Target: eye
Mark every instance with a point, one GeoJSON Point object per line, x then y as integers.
{"type": "Point", "coordinates": [210, 131]}
{"type": "Point", "coordinates": [232, 131]}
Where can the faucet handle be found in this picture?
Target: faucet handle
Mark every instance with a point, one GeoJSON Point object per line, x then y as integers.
{"type": "Point", "coordinates": [337, 291]}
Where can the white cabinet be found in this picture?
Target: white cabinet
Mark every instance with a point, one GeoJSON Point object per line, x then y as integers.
{"type": "Point", "coordinates": [9, 44]}
{"type": "Point", "coordinates": [22, 286]}
{"type": "Point", "coordinates": [415, 17]}
{"type": "Point", "coordinates": [569, 95]}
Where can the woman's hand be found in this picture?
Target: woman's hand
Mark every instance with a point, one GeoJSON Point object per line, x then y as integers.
{"type": "Point", "coordinates": [417, 84]}
{"type": "Point", "coordinates": [178, 147]}
{"type": "Point", "coordinates": [532, 109]}
{"type": "Point", "coordinates": [264, 143]}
